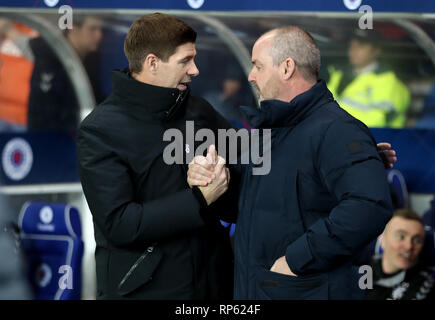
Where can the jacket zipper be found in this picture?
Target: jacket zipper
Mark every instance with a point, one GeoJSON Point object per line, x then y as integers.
{"type": "Point", "coordinates": [171, 109]}
{"type": "Point", "coordinates": [149, 250]}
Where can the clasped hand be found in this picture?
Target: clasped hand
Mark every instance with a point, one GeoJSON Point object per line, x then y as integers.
{"type": "Point", "coordinates": [209, 174]}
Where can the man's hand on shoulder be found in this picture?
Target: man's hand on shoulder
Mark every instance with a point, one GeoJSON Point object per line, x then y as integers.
{"type": "Point", "coordinates": [387, 154]}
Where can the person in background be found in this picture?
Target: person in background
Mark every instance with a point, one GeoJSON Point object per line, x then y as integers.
{"type": "Point", "coordinates": [367, 89]}
{"type": "Point", "coordinates": [53, 105]}
{"type": "Point", "coordinates": [397, 273]}
{"type": "Point", "coordinates": [231, 94]}
{"type": "Point", "coordinates": [16, 65]}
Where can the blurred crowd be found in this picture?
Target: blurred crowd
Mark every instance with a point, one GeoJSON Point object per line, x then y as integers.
{"type": "Point", "coordinates": [365, 83]}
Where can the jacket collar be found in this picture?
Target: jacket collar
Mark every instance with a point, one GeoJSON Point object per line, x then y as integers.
{"type": "Point", "coordinates": [155, 99]}
{"type": "Point", "coordinates": [276, 113]}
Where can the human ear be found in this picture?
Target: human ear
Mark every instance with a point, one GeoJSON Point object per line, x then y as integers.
{"type": "Point", "coordinates": [288, 67]}
{"type": "Point", "coordinates": [151, 63]}
{"type": "Point", "coordinates": [382, 236]}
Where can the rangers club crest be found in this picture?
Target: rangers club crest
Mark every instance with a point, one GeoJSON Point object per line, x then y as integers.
{"type": "Point", "coordinates": [43, 275]}
{"type": "Point", "coordinates": [195, 4]}
{"type": "Point", "coordinates": [352, 4]}
{"type": "Point", "coordinates": [17, 159]}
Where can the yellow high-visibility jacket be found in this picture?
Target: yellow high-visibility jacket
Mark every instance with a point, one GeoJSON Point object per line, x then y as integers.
{"type": "Point", "coordinates": [379, 99]}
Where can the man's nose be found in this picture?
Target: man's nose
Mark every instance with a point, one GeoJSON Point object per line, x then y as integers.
{"type": "Point", "coordinates": [193, 71]}
{"type": "Point", "coordinates": [407, 245]}
{"type": "Point", "coordinates": [251, 77]}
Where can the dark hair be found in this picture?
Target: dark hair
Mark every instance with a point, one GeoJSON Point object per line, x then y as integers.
{"type": "Point", "coordinates": [369, 36]}
{"type": "Point", "coordinates": [155, 33]}
{"type": "Point", "coordinates": [79, 20]}
{"type": "Point", "coordinates": [408, 214]}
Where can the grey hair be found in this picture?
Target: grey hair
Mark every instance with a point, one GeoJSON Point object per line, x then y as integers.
{"type": "Point", "coordinates": [294, 42]}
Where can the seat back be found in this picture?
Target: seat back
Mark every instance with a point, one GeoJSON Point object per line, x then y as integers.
{"type": "Point", "coordinates": [51, 240]}
{"type": "Point", "coordinates": [398, 188]}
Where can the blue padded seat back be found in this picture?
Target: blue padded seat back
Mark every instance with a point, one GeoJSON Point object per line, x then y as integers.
{"type": "Point", "coordinates": [51, 240]}
{"type": "Point", "coordinates": [398, 189]}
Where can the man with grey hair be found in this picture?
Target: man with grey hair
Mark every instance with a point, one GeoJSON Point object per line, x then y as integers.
{"type": "Point", "coordinates": [326, 195]}
{"type": "Point", "coordinates": [294, 42]}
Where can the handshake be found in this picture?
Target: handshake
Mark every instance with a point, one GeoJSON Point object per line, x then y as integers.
{"type": "Point", "coordinates": [209, 174]}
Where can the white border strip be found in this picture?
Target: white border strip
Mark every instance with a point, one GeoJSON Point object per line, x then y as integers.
{"type": "Point", "coordinates": [68, 224]}
{"type": "Point", "coordinates": [42, 188]}
{"type": "Point", "coordinates": [21, 214]}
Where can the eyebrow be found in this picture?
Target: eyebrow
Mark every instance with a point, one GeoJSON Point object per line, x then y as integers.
{"type": "Point", "coordinates": [256, 63]}
{"type": "Point", "coordinates": [187, 58]}
{"type": "Point", "coordinates": [405, 232]}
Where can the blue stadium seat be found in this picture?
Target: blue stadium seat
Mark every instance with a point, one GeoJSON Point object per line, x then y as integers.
{"type": "Point", "coordinates": [429, 249]}
{"type": "Point", "coordinates": [51, 240]}
{"type": "Point", "coordinates": [429, 223]}
{"type": "Point", "coordinates": [429, 215]}
{"type": "Point", "coordinates": [398, 188]}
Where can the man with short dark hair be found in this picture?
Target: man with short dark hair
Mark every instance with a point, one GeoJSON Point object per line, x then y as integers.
{"type": "Point", "coordinates": [156, 237]}
{"type": "Point", "coordinates": [53, 105]}
{"type": "Point", "coordinates": [397, 273]}
{"type": "Point", "coordinates": [86, 34]}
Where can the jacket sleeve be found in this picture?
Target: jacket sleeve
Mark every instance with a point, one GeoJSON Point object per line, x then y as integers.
{"type": "Point", "coordinates": [110, 194]}
{"type": "Point", "coordinates": [353, 173]}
